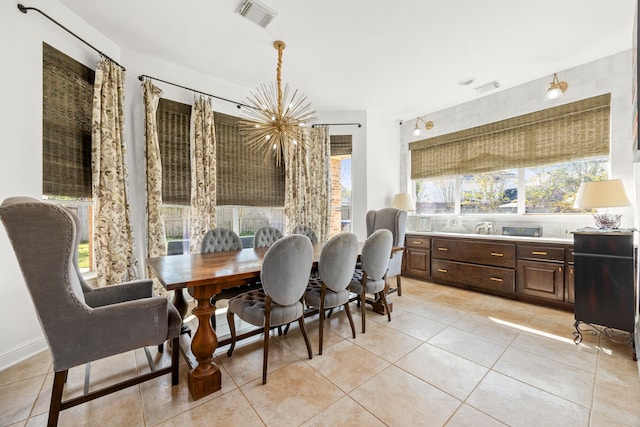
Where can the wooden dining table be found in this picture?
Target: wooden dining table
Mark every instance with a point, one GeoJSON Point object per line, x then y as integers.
{"type": "Point", "coordinates": [205, 275]}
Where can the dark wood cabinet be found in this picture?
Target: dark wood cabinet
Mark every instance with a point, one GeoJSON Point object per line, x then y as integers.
{"type": "Point", "coordinates": [541, 272]}
{"type": "Point", "coordinates": [417, 256]}
{"type": "Point", "coordinates": [604, 279]}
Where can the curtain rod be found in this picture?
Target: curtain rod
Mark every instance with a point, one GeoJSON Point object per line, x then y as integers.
{"type": "Point", "coordinates": [336, 124]}
{"type": "Point", "coordinates": [25, 9]}
{"type": "Point", "coordinates": [238, 104]}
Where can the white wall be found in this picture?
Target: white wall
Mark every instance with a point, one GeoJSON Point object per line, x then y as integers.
{"type": "Point", "coordinates": [607, 75]}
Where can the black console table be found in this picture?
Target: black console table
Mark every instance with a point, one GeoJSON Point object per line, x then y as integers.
{"type": "Point", "coordinates": [605, 299]}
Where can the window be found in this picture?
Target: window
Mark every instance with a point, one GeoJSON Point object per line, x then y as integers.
{"type": "Point", "coordinates": [250, 192]}
{"type": "Point", "coordinates": [341, 147]}
{"type": "Point", "coordinates": [546, 189]}
{"type": "Point", "coordinates": [67, 96]}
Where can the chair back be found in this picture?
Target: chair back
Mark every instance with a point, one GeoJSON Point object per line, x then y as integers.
{"type": "Point", "coordinates": [394, 220]}
{"type": "Point", "coordinates": [376, 254]}
{"type": "Point", "coordinates": [45, 240]}
{"type": "Point", "coordinates": [220, 240]}
{"type": "Point", "coordinates": [286, 268]}
{"type": "Point", "coordinates": [307, 231]}
{"type": "Point", "coordinates": [338, 261]}
{"type": "Point", "coordinates": [266, 236]}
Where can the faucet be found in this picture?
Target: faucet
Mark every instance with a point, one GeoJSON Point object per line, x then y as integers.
{"type": "Point", "coordinates": [484, 227]}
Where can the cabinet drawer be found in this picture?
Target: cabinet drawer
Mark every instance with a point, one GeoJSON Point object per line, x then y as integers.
{"type": "Point", "coordinates": [417, 242]}
{"type": "Point", "coordinates": [541, 252]}
{"type": "Point", "coordinates": [490, 278]}
{"type": "Point", "coordinates": [488, 253]}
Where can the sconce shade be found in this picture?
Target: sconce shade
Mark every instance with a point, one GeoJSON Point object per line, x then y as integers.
{"type": "Point", "coordinates": [556, 89]}
{"type": "Point", "coordinates": [601, 194]}
{"type": "Point", "coordinates": [403, 201]}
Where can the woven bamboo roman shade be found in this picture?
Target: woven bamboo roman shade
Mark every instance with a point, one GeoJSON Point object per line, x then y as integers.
{"type": "Point", "coordinates": [340, 145]}
{"type": "Point", "coordinates": [567, 132]}
{"type": "Point", "coordinates": [174, 120]}
{"type": "Point", "coordinates": [244, 178]}
{"type": "Point", "coordinates": [67, 96]}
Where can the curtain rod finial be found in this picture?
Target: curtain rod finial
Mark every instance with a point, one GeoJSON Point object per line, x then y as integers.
{"type": "Point", "coordinates": [21, 8]}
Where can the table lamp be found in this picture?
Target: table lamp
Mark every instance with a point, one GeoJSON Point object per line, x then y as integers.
{"type": "Point", "coordinates": [602, 196]}
{"type": "Point", "coordinates": [403, 201]}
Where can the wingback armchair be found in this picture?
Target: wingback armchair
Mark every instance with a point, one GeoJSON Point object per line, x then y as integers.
{"type": "Point", "coordinates": [394, 220]}
{"type": "Point", "coordinates": [80, 323]}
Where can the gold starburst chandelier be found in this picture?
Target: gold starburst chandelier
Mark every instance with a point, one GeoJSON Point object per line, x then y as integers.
{"type": "Point", "coordinates": [274, 118]}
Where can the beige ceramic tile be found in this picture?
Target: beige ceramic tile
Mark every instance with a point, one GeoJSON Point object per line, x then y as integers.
{"type": "Point", "coordinates": [488, 327]}
{"type": "Point", "coordinates": [515, 403]}
{"type": "Point", "coordinates": [292, 395]}
{"type": "Point", "coordinates": [468, 345]}
{"type": "Point", "coordinates": [441, 313]}
{"type": "Point", "coordinates": [34, 366]}
{"type": "Point", "coordinates": [345, 412]}
{"type": "Point", "coordinates": [294, 340]}
{"type": "Point", "coordinates": [444, 370]}
{"type": "Point", "coordinates": [466, 416]}
{"type": "Point", "coordinates": [245, 365]}
{"type": "Point", "coordinates": [388, 394]}
{"type": "Point", "coordinates": [18, 398]}
{"type": "Point", "coordinates": [229, 410]}
{"type": "Point", "coordinates": [559, 349]}
{"type": "Point", "coordinates": [388, 343]}
{"type": "Point", "coordinates": [413, 324]}
{"type": "Point", "coordinates": [162, 401]}
{"type": "Point", "coordinates": [617, 393]}
{"type": "Point", "coordinates": [557, 378]}
{"type": "Point", "coordinates": [347, 365]}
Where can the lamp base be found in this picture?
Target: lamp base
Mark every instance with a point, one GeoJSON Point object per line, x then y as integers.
{"type": "Point", "coordinates": [607, 220]}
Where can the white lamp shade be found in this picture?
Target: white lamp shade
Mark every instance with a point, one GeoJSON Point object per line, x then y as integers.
{"type": "Point", "coordinates": [601, 194]}
{"type": "Point", "coordinates": [554, 94]}
{"type": "Point", "coordinates": [403, 201]}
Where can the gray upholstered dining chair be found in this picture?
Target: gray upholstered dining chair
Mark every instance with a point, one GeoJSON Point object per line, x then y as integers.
{"type": "Point", "coordinates": [394, 220]}
{"type": "Point", "coordinates": [284, 276]}
{"type": "Point", "coordinates": [266, 236]}
{"type": "Point", "coordinates": [375, 257]}
{"type": "Point", "coordinates": [337, 262]}
{"type": "Point", "coordinates": [82, 324]}
{"type": "Point", "coordinates": [224, 240]}
{"type": "Point", "coordinates": [307, 231]}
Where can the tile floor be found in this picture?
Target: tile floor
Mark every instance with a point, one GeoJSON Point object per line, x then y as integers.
{"type": "Point", "coordinates": [448, 357]}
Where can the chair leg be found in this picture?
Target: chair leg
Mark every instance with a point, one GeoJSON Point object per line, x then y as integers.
{"type": "Point", "coordinates": [353, 328]}
{"type": "Point", "coordinates": [383, 297]}
{"type": "Point", "coordinates": [265, 349]}
{"type": "Point", "coordinates": [232, 328]}
{"type": "Point", "coordinates": [306, 338]}
{"type": "Point", "coordinates": [321, 327]}
{"type": "Point", "coordinates": [399, 285]}
{"type": "Point", "coordinates": [363, 304]}
{"type": "Point", "coordinates": [56, 397]}
{"type": "Point", "coordinates": [175, 360]}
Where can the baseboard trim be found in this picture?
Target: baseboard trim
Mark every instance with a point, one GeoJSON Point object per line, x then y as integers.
{"type": "Point", "coordinates": [22, 352]}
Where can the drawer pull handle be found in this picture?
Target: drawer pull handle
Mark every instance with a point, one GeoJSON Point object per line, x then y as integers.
{"type": "Point", "coordinates": [539, 253]}
{"type": "Point", "coordinates": [443, 249]}
{"type": "Point", "coordinates": [496, 279]}
{"type": "Point", "coordinates": [417, 242]}
{"type": "Point", "coordinates": [442, 270]}
{"type": "Point", "coordinates": [496, 254]}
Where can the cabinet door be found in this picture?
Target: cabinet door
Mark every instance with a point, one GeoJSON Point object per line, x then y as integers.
{"type": "Point", "coordinates": [541, 279]}
{"type": "Point", "coordinates": [418, 262]}
{"type": "Point", "coordinates": [569, 287]}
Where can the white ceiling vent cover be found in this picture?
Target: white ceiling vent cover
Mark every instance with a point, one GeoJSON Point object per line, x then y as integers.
{"type": "Point", "coordinates": [256, 12]}
{"type": "Point", "coordinates": [487, 86]}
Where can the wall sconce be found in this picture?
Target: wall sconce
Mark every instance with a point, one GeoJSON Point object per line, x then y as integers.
{"type": "Point", "coordinates": [603, 195]}
{"type": "Point", "coordinates": [427, 125]}
{"type": "Point", "coordinates": [556, 89]}
{"type": "Point", "coordinates": [404, 202]}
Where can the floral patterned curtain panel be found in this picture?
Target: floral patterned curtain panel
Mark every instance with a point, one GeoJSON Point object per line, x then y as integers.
{"type": "Point", "coordinates": [307, 184]}
{"type": "Point", "coordinates": [113, 242]}
{"type": "Point", "coordinates": [156, 236]}
{"type": "Point", "coordinates": [203, 171]}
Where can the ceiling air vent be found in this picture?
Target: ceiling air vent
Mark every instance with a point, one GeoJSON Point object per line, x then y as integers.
{"type": "Point", "coordinates": [256, 12]}
{"type": "Point", "coordinates": [487, 86]}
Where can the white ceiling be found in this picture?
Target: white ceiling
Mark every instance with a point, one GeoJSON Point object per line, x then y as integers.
{"type": "Point", "coordinates": [402, 58]}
